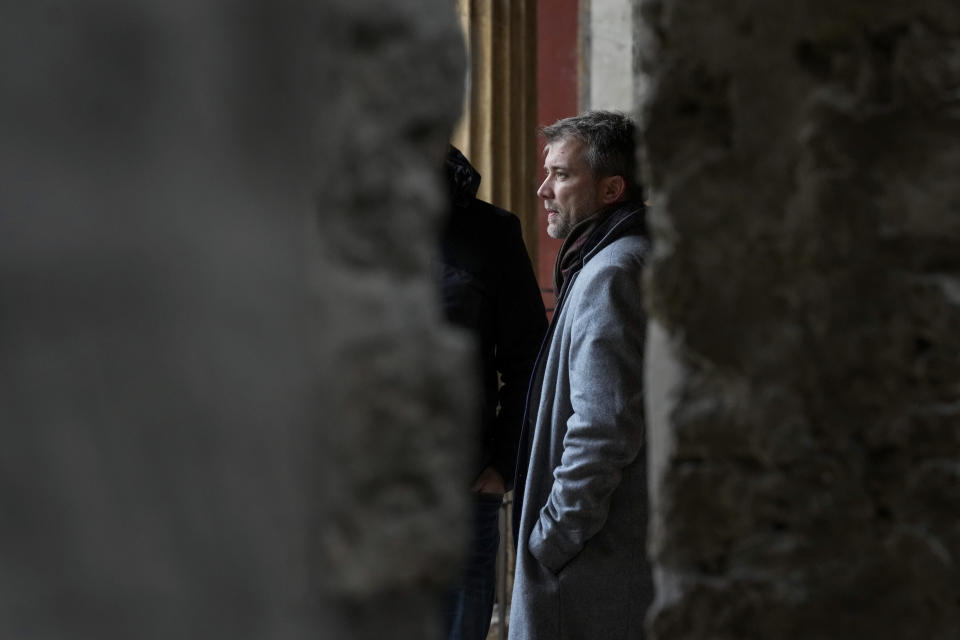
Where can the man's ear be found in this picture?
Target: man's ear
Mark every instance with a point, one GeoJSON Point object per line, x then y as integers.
{"type": "Point", "coordinates": [612, 189]}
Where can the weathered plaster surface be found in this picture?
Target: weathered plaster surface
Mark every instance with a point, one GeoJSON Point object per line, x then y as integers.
{"type": "Point", "coordinates": [801, 160]}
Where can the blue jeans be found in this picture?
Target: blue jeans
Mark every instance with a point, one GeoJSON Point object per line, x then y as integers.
{"type": "Point", "coordinates": [470, 606]}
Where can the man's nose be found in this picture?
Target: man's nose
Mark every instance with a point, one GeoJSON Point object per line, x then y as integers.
{"type": "Point", "coordinates": [543, 191]}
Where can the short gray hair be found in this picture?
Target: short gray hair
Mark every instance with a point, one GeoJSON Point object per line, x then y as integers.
{"type": "Point", "coordinates": [610, 140]}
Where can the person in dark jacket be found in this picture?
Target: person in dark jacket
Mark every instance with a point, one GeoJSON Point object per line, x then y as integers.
{"type": "Point", "coordinates": [580, 505]}
{"type": "Point", "coordinates": [489, 288]}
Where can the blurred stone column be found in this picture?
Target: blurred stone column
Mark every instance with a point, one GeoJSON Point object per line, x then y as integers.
{"type": "Point", "coordinates": [392, 527]}
{"type": "Point", "coordinates": [228, 406]}
{"type": "Point", "coordinates": [804, 293]}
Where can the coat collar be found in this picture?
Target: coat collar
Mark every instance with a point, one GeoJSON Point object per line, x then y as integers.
{"type": "Point", "coordinates": [589, 236]}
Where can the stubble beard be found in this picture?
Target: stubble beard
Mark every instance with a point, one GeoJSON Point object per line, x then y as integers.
{"type": "Point", "coordinates": [559, 228]}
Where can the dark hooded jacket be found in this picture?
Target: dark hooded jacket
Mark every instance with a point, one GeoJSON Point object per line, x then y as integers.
{"type": "Point", "coordinates": [489, 288]}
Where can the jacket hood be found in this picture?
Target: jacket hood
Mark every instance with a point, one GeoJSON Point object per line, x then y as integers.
{"type": "Point", "coordinates": [463, 180]}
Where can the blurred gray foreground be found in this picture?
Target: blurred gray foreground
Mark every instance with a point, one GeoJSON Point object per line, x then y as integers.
{"type": "Point", "coordinates": [225, 397]}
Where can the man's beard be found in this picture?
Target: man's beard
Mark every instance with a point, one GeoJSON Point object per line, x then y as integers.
{"type": "Point", "coordinates": [560, 227]}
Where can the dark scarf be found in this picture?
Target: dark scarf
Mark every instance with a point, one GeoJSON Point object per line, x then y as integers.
{"type": "Point", "coordinates": [627, 217]}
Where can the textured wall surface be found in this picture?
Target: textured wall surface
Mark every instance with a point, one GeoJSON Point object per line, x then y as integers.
{"type": "Point", "coordinates": [804, 366]}
{"type": "Point", "coordinates": [610, 53]}
{"type": "Point", "coordinates": [226, 403]}
{"type": "Point", "coordinates": [392, 526]}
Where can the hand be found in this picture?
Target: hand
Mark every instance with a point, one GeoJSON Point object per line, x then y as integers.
{"type": "Point", "coordinates": [490, 481]}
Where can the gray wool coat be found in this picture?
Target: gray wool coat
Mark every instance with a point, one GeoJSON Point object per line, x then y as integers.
{"type": "Point", "coordinates": [582, 570]}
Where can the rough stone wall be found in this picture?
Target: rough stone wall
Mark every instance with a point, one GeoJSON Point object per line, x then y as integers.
{"type": "Point", "coordinates": [226, 400]}
{"type": "Point", "coordinates": [392, 527]}
{"type": "Point", "coordinates": [804, 356]}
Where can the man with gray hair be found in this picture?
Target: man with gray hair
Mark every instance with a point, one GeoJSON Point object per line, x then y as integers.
{"type": "Point", "coordinates": [580, 509]}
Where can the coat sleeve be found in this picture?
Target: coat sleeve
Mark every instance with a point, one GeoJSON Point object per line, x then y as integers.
{"type": "Point", "coordinates": [520, 325]}
{"type": "Point", "coordinates": [606, 431]}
